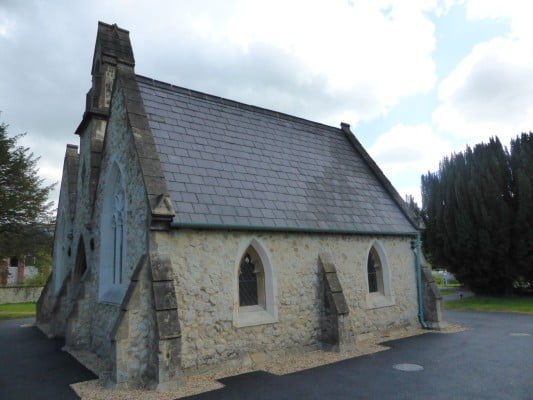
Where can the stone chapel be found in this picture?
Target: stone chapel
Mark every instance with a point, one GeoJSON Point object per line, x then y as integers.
{"type": "Point", "coordinates": [194, 232]}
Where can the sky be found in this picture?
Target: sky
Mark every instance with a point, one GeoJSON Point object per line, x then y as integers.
{"type": "Point", "coordinates": [415, 79]}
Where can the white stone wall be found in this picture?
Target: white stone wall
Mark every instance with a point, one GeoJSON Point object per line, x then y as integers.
{"type": "Point", "coordinates": [204, 263]}
{"type": "Point", "coordinates": [92, 316]}
{"type": "Point", "coordinates": [118, 149]}
{"type": "Point", "coordinates": [19, 294]}
{"type": "Point", "coordinates": [29, 272]}
{"type": "Point", "coordinates": [61, 262]}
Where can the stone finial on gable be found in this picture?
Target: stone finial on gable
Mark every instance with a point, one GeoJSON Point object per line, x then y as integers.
{"type": "Point", "coordinates": [163, 206]}
{"type": "Point", "coordinates": [162, 212]}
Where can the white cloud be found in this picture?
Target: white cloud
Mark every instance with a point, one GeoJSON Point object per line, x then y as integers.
{"type": "Point", "coordinates": [489, 93]}
{"type": "Point", "coordinates": [323, 60]}
{"type": "Point", "coordinates": [518, 12]}
{"type": "Point", "coordinates": [405, 153]}
{"type": "Point", "coordinates": [343, 59]}
{"type": "Point", "coordinates": [414, 148]}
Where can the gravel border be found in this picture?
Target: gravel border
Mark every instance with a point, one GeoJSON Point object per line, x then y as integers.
{"type": "Point", "coordinates": [196, 384]}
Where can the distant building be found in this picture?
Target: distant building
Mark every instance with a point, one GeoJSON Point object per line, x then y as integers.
{"type": "Point", "coordinates": [14, 270]}
{"type": "Point", "coordinates": [195, 232]}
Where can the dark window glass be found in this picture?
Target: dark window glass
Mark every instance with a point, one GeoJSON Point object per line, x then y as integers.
{"type": "Point", "coordinates": [372, 273]}
{"type": "Point", "coordinates": [247, 282]}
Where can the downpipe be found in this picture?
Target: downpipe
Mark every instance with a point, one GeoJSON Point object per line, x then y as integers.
{"type": "Point", "coordinates": [417, 249]}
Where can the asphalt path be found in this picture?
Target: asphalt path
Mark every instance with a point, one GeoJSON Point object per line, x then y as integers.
{"type": "Point", "coordinates": [33, 366]}
{"type": "Point", "coordinates": [492, 360]}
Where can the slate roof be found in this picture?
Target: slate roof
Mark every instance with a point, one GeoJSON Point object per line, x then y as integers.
{"type": "Point", "coordinates": [233, 164]}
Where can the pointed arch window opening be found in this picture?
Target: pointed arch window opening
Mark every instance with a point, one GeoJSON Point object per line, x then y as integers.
{"type": "Point", "coordinates": [118, 236]}
{"type": "Point", "coordinates": [255, 300]}
{"type": "Point", "coordinates": [251, 280]}
{"type": "Point", "coordinates": [375, 277]}
{"type": "Point", "coordinates": [81, 262]}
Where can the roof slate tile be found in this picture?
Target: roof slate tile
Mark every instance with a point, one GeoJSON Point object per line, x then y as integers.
{"type": "Point", "coordinates": [230, 163]}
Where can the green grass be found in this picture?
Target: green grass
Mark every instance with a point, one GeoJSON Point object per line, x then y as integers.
{"type": "Point", "coordinates": [455, 285]}
{"type": "Point", "coordinates": [446, 290]}
{"type": "Point", "coordinates": [509, 304]}
{"type": "Point", "coordinates": [19, 310]}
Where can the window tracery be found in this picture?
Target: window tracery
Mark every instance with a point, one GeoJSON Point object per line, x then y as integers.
{"type": "Point", "coordinates": [255, 288]}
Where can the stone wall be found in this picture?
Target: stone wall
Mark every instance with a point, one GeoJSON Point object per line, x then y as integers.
{"type": "Point", "coordinates": [205, 263]}
{"type": "Point", "coordinates": [19, 294]}
{"type": "Point", "coordinates": [93, 320]}
{"type": "Point", "coordinates": [98, 318]}
{"type": "Point", "coordinates": [62, 254]}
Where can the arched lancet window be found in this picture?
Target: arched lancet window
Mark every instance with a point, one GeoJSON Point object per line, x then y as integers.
{"type": "Point", "coordinates": [112, 259]}
{"type": "Point", "coordinates": [255, 287]}
{"type": "Point", "coordinates": [117, 225]}
{"type": "Point", "coordinates": [81, 262]}
{"type": "Point", "coordinates": [374, 271]}
{"type": "Point", "coordinates": [251, 280]}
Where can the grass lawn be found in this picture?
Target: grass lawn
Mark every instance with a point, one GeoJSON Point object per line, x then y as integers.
{"type": "Point", "coordinates": [447, 290]}
{"type": "Point", "coordinates": [19, 310]}
{"type": "Point", "coordinates": [451, 285]}
{"type": "Point", "coordinates": [510, 304]}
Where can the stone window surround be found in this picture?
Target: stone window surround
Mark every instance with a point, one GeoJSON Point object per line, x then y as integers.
{"type": "Point", "coordinates": [256, 314]}
{"type": "Point", "coordinates": [108, 291]}
{"type": "Point", "coordinates": [384, 297]}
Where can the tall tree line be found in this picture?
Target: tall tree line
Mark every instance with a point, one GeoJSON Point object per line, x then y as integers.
{"type": "Point", "coordinates": [478, 211]}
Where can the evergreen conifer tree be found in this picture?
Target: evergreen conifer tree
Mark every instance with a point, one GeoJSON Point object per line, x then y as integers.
{"type": "Point", "coordinates": [522, 187]}
{"type": "Point", "coordinates": [469, 209]}
{"type": "Point", "coordinates": [24, 207]}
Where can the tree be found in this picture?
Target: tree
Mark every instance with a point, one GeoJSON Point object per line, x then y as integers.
{"type": "Point", "coordinates": [413, 206]}
{"type": "Point", "coordinates": [522, 187]}
{"type": "Point", "coordinates": [478, 214]}
{"type": "Point", "coordinates": [25, 212]}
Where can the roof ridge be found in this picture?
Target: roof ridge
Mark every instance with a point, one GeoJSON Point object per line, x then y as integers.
{"type": "Point", "coordinates": [233, 103]}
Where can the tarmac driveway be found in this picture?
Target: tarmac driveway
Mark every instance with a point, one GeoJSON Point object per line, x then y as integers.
{"type": "Point", "coordinates": [493, 360]}
{"type": "Point", "coordinates": [33, 366]}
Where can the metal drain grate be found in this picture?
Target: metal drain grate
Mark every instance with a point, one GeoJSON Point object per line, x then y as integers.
{"type": "Point", "coordinates": [408, 367]}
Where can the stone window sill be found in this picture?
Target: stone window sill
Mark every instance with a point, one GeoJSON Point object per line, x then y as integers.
{"type": "Point", "coordinates": [113, 295]}
{"type": "Point", "coordinates": [253, 315]}
{"type": "Point", "coordinates": [378, 300]}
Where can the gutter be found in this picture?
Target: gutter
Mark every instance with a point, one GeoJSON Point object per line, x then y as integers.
{"type": "Point", "coordinates": [418, 251]}
{"type": "Point", "coordinates": [207, 226]}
